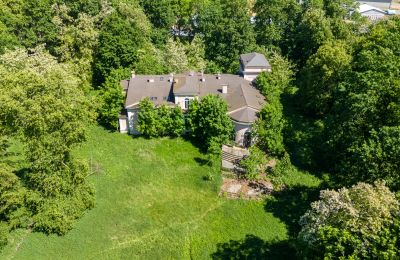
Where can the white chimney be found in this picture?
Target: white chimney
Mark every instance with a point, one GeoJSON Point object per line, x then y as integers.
{"type": "Point", "coordinates": [133, 74]}
{"type": "Point", "coordinates": [171, 77]}
{"type": "Point", "coordinates": [219, 75]}
{"type": "Point", "coordinates": [224, 89]}
{"type": "Point", "coordinates": [150, 80]}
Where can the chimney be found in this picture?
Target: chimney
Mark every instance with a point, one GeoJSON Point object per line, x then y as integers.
{"type": "Point", "coordinates": [133, 74]}
{"type": "Point", "coordinates": [171, 77]}
{"type": "Point", "coordinates": [224, 89]}
{"type": "Point", "coordinates": [218, 76]}
{"type": "Point", "coordinates": [150, 80]}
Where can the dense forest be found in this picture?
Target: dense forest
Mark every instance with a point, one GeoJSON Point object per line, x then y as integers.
{"type": "Point", "coordinates": [333, 102]}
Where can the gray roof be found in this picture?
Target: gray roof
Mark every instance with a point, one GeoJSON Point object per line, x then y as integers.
{"type": "Point", "coordinates": [155, 87]}
{"type": "Point", "coordinates": [243, 99]}
{"type": "Point", "coordinates": [254, 59]}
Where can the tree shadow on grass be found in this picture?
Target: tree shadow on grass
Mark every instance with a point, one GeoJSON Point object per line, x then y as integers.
{"type": "Point", "coordinates": [253, 247]}
{"type": "Point", "coordinates": [290, 204]}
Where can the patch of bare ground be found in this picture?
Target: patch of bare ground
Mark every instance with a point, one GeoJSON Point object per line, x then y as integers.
{"type": "Point", "coordinates": [236, 186]}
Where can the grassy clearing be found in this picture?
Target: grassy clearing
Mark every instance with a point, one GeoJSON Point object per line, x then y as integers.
{"type": "Point", "coordinates": [152, 203]}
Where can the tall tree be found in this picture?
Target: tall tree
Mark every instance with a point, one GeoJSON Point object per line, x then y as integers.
{"type": "Point", "coordinates": [275, 19]}
{"type": "Point", "coordinates": [44, 106]}
{"type": "Point", "coordinates": [227, 32]}
{"type": "Point", "coordinates": [321, 76]}
{"type": "Point", "coordinates": [123, 34]}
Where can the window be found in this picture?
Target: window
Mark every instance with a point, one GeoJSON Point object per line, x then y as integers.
{"type": "Point", "coordinates": [187, 103]}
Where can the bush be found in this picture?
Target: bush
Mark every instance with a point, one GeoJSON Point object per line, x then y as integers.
{"type": "Point", "coordinates": [358, 223]}
{"type": "Point", "coordinates": [162, 121]}
{"type": "Point", "coordinates": [253, 163]}
{"type": "Point", "coordinates": [209, 122]}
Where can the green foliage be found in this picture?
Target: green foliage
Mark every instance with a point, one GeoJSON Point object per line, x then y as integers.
{"type": "Point", "coordinates": [111, 98]}
{"type": "Point", "coordinates": [208, 120]}
{"type": "Point", "coordinates": [366, 111]}
{"type": "Point", "coordinates": [275, 19]}
{"type": "Point", "coordinates": [279, 80]}
{"type": "Point", "coordinates": [312, 31]}
{"type": "Point", "coordinates": [148, 123]}
{"type": "Point", "coordinates": [161, 121]}
{"type": "Point", "coordinates": [227, 32]}
{"type": "Point", "coordinates": [123, 33]}
{"type": "Point", "coordinates": [321, 76]}
{"type": "Point", "coordinates": [349, 222]}
{"type": "Point", "coordinates": [4, 229]}
{"type": "Point", "coordinates": [44, 107]}
{"type": "Point", "coordinates": [253, 164]}
{"type": "Point", "coordinates": [268, 128]}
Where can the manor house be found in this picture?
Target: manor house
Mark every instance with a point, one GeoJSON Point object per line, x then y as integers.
{"type": "Point", "coordinates": [243, 99]}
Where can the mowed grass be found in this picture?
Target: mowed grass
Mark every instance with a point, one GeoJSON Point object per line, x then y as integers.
{"type": "Point", "coordinates": [151, 203]}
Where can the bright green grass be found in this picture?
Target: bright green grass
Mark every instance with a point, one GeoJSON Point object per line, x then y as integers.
{"type": "Point", "coordinates": [151, 203]}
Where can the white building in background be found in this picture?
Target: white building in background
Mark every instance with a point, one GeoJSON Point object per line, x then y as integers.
{"type": "Point", "coordinates": [243, 99]}
{"type": "Point", "coordinates": [252, 64]}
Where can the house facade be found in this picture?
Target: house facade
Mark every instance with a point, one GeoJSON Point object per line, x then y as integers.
{"type": "Point", "coordinates": [243, 99]}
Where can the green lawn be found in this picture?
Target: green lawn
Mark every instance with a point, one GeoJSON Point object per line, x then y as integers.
{"type": "Point", "coordinates": [152, 203]}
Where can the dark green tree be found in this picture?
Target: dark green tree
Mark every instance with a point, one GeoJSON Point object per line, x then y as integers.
{"type": "Point", "coordinates": [227, 32]}
{"type": "Point", "coordinates": [111, 98]}
{"type": "Point", "coordinates": [321, 76]}
{"type": "Point", "coordinates": [208, 120]}
{"type": "Point", "coordinates": [123, 34]}
{"type": "Point", "coordinates": [275, 19]}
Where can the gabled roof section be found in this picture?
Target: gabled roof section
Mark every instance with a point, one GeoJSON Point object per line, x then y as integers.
{"type": "Point", "coordinates": [254, 59]}
{"type": "Point", "coordinates": [363, 8]}
{"type": "Point", "coordinates": [244, 115]}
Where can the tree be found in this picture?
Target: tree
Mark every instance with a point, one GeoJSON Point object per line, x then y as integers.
{"type": "Point", "coordinates": [111, 98]}
{"type": "Point", "coordinates": [123, 34]}
{"type": "Point", "coordinates": [252, 164]}
{"type": "Point", "coordinates": [313, 30]}
{"type": "Point", "coordinates": [321, 76]}
{"type": "Point", "coordinates": [269, 127]}
{"type": "Point", "coordinates": [148, 121]}
{"type": "Point", "coordinates": [279, 80]}
{"type": "Point", "coordinates": [365, 115]}
{"type": "Point", "coordinates": [160, 121]}
{"type": "Point", "coordinates": [175, 57]}
{"type": "Point", "coordinates": [78, 37]}
{"type": "Point", "coordinates": [352, 223]}
{"type": "Point", "coordinates": [195, 53]}
{"type": "Point", "coordinates": [208, 120]}
{"type": "Point", "coordinates": [274, 20]}
{"type": "Point", "coordinates": [227, 32]}
{"type": "Point", "coordinates": [45, 108]}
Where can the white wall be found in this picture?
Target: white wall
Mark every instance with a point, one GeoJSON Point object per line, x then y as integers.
{"type": "Point", "coordinates": [240, 129]}
{"type": "Point", "coordinates": [123, 125]}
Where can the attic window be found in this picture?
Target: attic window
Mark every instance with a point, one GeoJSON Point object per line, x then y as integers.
{"type": "Point", "coordinates": [153, 98]}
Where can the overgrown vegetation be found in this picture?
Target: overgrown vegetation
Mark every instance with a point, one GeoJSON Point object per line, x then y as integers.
{"type": "Point", "coordinates": [333, 102]}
